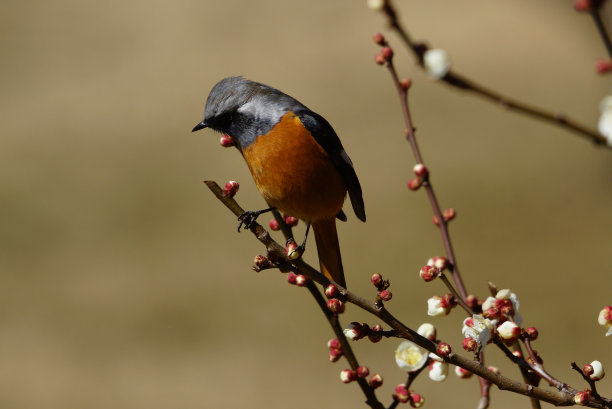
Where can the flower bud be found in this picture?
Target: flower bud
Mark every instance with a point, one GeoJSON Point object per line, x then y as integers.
{"type": "Point", "coordinates": [438, 371]}
{"type": "Point", "coordinates": [437, 63]}
{"type": "Point", "coordinates": [414, 184]}
{"type": "Point", "coordinates": [348, 375]}
{"type": "Point", "coordinates": [387, 52]}
{"type": "Point", "coordinates": [377, 280]}
{"type": "Point", "coordinates": [449, 214]}
{"type": "Point", "coordinates": [428, 273]}
{"type": "Point", "coordinates": [379, 39]}
{"type": "Point", "coordinates": [595, 369]}
{"type": "Point", "coordinates": [226, 141]}
{"type": "Point", "coordinates": [334, 343]}
{"type": "Point", "coordinates": [605, 319]}
{"type": "Point", "coordinates": [355, 331]}
{"type": "Point", "coordinates": [274, 226]}
{"type": "Point", "coordinates": [331, 291]}
{"type": "Point", "coordinates": [402, 393]}
{"type": "Point", "coordinates": [509, 332]}
{"type": "Point", "coordinates": [416, 400]}
{"type": "Point", "coordinates": [290, 220]}
{"type": "Point", "coordinates": [470, 344]}
{"type": "Point", "coordinates": [493, 369]}
{"type": "Point", "coordinates": [531, 333]}
{"type": "Point", "coordinates": [385, 295]}
{"type": "Point", "coordinates": [428, 331]}
{"type": "Point", "coordinates": [292, 278]}
{"type": "Point", "coordinates": [462, 373]}
{"type": "Point", "coordinates": [603, 66]}
{"type": "Point", "coordinates": [406, 83]}
{"type": "Point", "coordinates": [374, 334]}
{"type": "Point", "coordinates": [580, 398]}
{"type": "Point", "coordinates": [420, 170]}
{"type": "Point", "coordinates": [380, 60]}
{"type": "Point", "coordinates": [582, 5]}
{"type": "Point", "coordinates": [376, 381]}
{"type": "Point", "coordinates": [363, 371]}
{"type": "Point", "coordinates": [376, 5]}
{"type": "Point", "coordinates": [438, 262]}
{"type": "Point", "coordinates": [471, 301]}
{"type": "Point", "coordinates": [335, 305]}
{"type": "Point", "coordinates": [301, 280]}
{"type": "Point", "coordinates": [261, 262]}
{"type": "Point", "coordinates": [517, 354]}
{"type": "Point", "coordinates": [292, 250]}
{"type": "Point", "coordinates": [333, 357]}
{"type": "Point", "coordinates": [438, 306]}
{"type": "Point", "coordinates": [231, 188]}
{"type": "Point", "coordinates": [435, 220]}
{"type": "Point", "coordinates": [491, 313]}
{"type": "Point", "coordinates": [443, 350]}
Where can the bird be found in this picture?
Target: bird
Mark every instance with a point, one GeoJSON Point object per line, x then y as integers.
{"type": "Point", "coordinates": [295, 157]}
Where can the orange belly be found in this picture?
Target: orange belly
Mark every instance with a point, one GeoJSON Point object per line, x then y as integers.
{"type": "Point", "coordinates": [293, 172]}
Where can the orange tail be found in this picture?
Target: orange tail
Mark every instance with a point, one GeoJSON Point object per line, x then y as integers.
{"type": "Point", "coordinates": [328, 249]}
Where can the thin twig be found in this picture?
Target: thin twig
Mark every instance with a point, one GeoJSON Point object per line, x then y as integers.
{"type": "Point", "coordinates": [465, 84]}
{"type": "Point", "coordinates": [559, 398]}
{"type": "Point", "coordinates": [601, 28]}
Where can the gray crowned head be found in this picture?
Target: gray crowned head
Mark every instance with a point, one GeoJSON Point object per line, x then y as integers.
{"type": "Point", "coordinates": [245, 109]}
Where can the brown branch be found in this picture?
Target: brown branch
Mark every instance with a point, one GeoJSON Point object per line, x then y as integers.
{"type": "Point", "coordinates": [559, 398]}
{"type": "Point", "coordinates": [460, 82]}
{"type": "Point", "coordinates": [601, 28]}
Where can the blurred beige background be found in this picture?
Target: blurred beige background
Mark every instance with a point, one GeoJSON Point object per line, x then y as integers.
{"type": "Point", "coordinates": [123, 281]}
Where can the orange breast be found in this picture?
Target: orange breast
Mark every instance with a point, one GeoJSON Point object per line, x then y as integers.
{"type": "Point", "coordinates": [293, 172]}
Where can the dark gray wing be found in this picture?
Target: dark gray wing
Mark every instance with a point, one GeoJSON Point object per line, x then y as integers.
{"type": "Point", "coordinates": [325, 135]}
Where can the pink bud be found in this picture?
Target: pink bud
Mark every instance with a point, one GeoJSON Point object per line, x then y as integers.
{"type": "Point", "coordinates": [261, 262]}
{"type": "Point", "coordinates": [231, 188]}
{"type": "Point", "coordinates": [292, 278]}
{"type": "Point", "coordinates": [379, 58]}
{"type": "Point", "coordinates": [292, 250]}
{"type": "Point", "coordinates": [387, 52]}
{"type": "Point", "coordinates": [449, 214]}
{"type": "Point", "coordinates": [334, 343]}
{"type": "Point", "coordinates": [493, 369]}
{"type": "Point", "coordinates": [416, 400]}
{"type": "Point", "coordinates": [348, 375]}
{"type": "Point", "coordinates": [428, 273]}
{"type": "Point", "coordinates": [300, 280]}
{"type": "Point", "coordinates": [385, 295]}
{"type": "Point", "coordinates": [603, 66]}
{"type": "Point", "coordinates": [335, 352]}
{"type": "Point", "coordinates": [406, 83]}
{"type": "Point", "coordinates": [420, 170]}
{"type": "Point", "coordinates": [435, 220]}
{"type": "Point", "coordinates": [443, 350]}
{"type": "Point", "coordinates": [582, 5]}
{"type": "Point", "coordinates": [470, 344]}
{"type": "Point", "coordinates": [471, 301]}
{"type": "Point", "coordinates": [377, 280]}
{"type": "Point", "coordinates": [363, 371]}
{"type": "Point", "coordinates": [587, 370]}
{"type": "Point", "coordinates": [491, 313]}
{"type": "Point", "coordinates": [335, 305]}
{"type": "Point", "coordinates": [376, 381]}
{"type": "Point", "coordinates": [331, 291]}
{"type": "Point", "coordinates": [441, 263]}
{"type": "Point", "coordinates": [379, 39]}
{"type": "Point", "coordinates": [414, 184]}
{"type": "Point", "coordinates": [274, 225]}
{"type": "Point", "coordinates": [334, 358]}
{"type": "Point", "coordinates": [582, 397]}
{"type": "Point", "coordinates": [532, 333]}
{"type": "Point", "coordinates": [462, 373]}
{"type": "Point", "coordinates": [290, 220]}
{"type": "Point", "coordinates": [402, 393]}
{"type": "Point", "coordinates": [374, 334]}
{"type": "Point", "coordinates": [227, 141]}
{"type": "Point", "coordinates": [517, 354]}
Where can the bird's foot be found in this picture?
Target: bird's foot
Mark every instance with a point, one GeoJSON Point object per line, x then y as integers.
{"type": "Point", "coordinates": [247, 219]}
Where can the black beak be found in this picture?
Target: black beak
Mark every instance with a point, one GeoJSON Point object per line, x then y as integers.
{"type": "Point", "coordinates": [199, 126]}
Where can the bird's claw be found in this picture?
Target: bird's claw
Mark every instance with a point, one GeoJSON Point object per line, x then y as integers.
{"type": "Point", "coordinates": [247, 219]}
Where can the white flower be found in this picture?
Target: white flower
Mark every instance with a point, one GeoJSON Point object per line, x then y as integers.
{"type": "Point", "coordinates": [605, 319]}
{"type": "Point", "coordinates": [488, 303]}
{"type": "Point", "coordinates": [352, 331]}
{"type": "Point", "coordinates": [437, 306]}
{"type": "Point", "coordinates": [598, 371]}
{"type": "Point", "coordinates": [462, 373]}
{"type": "Point", "coordinates": [506, 294]}
{"type": "Point", "coordinates": [376, 4]}
{"type": "Point", "coordinates": [435, 357]}
{"type": "Point", "coordinates": [508, 331]}
{"type": "Point", "coordinates": [410, 357]}
{"type": "Point", "coordinates": [478, 328]}
{"type": "Point", "coordinates": [438, 371]}
{"type": "Point", "coordinates": [437, 63]}
{"type": "Point", "coordinates": [428, 331]}
{"type": "Point", "coordinates": [605, 120]}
